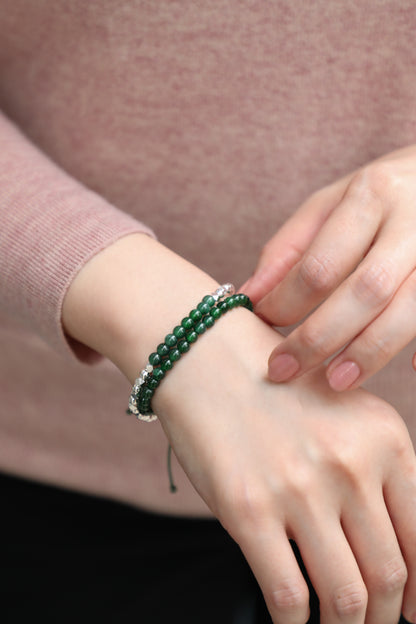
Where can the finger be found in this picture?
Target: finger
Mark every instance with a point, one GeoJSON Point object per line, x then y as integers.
{"type": "Point", "coordinates": [400, 496]}
{"type": "Point", "coordinates": [273, 563]}
{"type": "Point", "coordinates": [371, 536]}
{"type": "Point", "coordinates": [332, 569]}
{"type": "Point", "coordinates": [374, 347]}
{"type": "Point", "coordinates": [351, 308]}
{"type": "Point", "coordinates": [288, 245]}
{"type": "Point", "coordinates": [336, 250]}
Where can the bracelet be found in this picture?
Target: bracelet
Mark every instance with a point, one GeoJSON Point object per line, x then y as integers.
{"type": "Point", "coordinates": [178, 342]}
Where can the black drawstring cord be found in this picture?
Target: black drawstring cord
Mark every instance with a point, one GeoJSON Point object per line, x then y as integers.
{"type": "Point", "coordinates": [172, 485]}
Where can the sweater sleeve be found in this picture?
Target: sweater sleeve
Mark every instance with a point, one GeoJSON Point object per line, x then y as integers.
{"type": "Point", "coordinates": [50, 226]}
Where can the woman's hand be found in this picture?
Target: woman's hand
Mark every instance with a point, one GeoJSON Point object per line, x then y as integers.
{"type": "Point", "coordinates": [335, 473]}
{"type": "Point", "coordinates": [351, 249]}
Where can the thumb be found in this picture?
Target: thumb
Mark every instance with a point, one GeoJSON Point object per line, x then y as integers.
{"type": "Point", "coordinates": [290, 242]}
{"type": "Point", "coordinates": [276, 260]}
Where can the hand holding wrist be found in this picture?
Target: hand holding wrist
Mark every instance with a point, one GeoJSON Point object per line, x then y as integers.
{"type": "Point", "coordinates": [334, 473]}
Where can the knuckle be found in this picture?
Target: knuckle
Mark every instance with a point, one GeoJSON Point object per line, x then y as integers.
{"type": "Point", "coordinates": [318, 274]}
{"type": "Point", "coordinates": [290, 596]}
{"type": "Point", "coordinates": [377, 348]}
{"type": "Point", "coordinates": [300, 481]}
{"type": "Point", "coordinates": [350, 600]}
{"type": "Point", "coordinates": [389, 431]}
{"type": "Point", "coordinates": [391, 424]}
{"type": "Point", "coordinates": [374, 285]}
{"type": "Point", "coordinates": [251, 506]}
{"type": "Point", "coordinates": [376, 182]}
{"type": "Point", "coordinates": [400, 443]}
{"type": "Point", "coordinates": [311, 338]}
{"type": "Point", "coordinates": [391, 578]}
{"type": "Point", "coordinates": [379, 410]}
{"type": "Point", "coordinates": [394, 435]}
{"type": "Point", "coordinates": [345, 463]}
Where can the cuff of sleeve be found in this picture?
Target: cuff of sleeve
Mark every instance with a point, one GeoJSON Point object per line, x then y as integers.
{"type": "Point", "coordinates": [45, 244]}
{"type": "Point", "coordinates": [53, 256]}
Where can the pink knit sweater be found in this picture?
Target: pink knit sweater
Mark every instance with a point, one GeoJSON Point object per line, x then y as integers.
{"type": "Point", "coordinates": [204, 122]}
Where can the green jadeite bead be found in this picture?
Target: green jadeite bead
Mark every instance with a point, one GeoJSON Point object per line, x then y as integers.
{"type": "Point", "coordinates": [187, 323]}
{"type": "Point", "coordinates": [174, 355]}
{"type": "Point", "coordinates": [200, 328]}
{"type": "Point", "coordinates": [154, 359]}
{"type": "Point", "coordinates": [184, 346]}
{"type": "Point", "coordinates": [208, 321]}
{"type": "Point", "coordinates": [244, 301]}
{"type": "Point", "coordinates": [192, 336]}
{"type": "Point", "coordinates": [204, 308]}
{"type": "Point", "coordinates": [147, 394]}
{"type": "Point", "coordinates": [222, 306]}
{"type": "Point", "coordinates": [179, 332]}
{"type": "Point", "coordinates": [171, 340]}
{"type": "Point", "coordinates": [158, 374]}
{"type": "Point", "coordinates": [145, 408]}
{"type": "Point", "coordinates": [209, 299]}
{"type": "Point", "coordinates": [142, 404]}
{"type": "Point", "coordinates": [195, 315]}
{"type": "Point", "coordinates": [166, 365]}
{"type": "Point", "coordinates": [153, 383]}
{"type": "Point", "coordinates": [215, 313]}
{"type": "Point", "coordinates": [231, 301]}
{"type": "Point", "coordinates": [163, 349]}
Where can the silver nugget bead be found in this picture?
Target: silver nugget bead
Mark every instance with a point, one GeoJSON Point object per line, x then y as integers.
{"type": "Point", "coordinates": [146, 417]}
{"type": "Point", "coordinates": [225, 289]}
{"type": "Point", "coordinates": [133, 405]}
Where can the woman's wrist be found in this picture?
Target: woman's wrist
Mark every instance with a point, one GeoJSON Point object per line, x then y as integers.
{"type": "Point", "coordinates": [125, 300]}
{"type": "Point", "coordinates": [229, 359]}
{"type": "Point", "coordinates": [128, 297]}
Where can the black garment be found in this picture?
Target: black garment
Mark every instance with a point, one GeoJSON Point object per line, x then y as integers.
{"type": "Point", "coordinates": [70, 558]}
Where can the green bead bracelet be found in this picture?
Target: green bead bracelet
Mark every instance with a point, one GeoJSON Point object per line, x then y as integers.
{"type": "Point", "coordinates": [178, 342]}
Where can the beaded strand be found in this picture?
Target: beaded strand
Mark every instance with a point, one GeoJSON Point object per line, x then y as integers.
{"type": "Point", "coordinates": [178, 342]}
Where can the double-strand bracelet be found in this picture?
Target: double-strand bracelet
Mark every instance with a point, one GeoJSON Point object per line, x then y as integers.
{"type": "Point", "coordinates": [177, 343]}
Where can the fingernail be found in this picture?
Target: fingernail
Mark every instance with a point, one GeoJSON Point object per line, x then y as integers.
{"type": "Point", "coordinates": [255, 281]}
{"type": "Point", "coordinates": [282, 367]}
{"type": "Point", "coordinates": [343, 375]}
